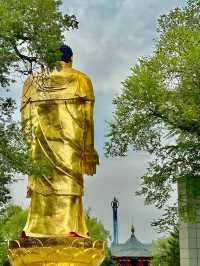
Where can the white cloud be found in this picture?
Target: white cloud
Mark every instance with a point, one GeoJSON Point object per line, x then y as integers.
{"type": "Point", "coordinates": [112, 35]}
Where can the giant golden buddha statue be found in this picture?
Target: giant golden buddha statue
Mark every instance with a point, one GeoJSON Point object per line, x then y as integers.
{"type": "Point", "coordinates": [57, 109]}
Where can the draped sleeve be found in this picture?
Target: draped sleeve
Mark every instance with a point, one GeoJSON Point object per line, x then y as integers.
{"type": "Point", "coordinates": [91, 158]}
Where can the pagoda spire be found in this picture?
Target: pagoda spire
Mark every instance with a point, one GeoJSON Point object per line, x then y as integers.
{"type": "Point", "coordinates": [115, 205]}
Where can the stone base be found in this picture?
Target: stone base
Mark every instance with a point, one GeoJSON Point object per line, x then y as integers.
{"type": "Point", "coordinates": [56, 252]}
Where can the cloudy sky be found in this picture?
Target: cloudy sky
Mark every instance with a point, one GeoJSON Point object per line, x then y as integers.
{"type": "Point", "coordinates": [112, 35]}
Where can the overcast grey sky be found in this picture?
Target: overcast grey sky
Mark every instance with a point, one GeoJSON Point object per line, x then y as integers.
{"type": "Point", "coordinates": [112, 35]}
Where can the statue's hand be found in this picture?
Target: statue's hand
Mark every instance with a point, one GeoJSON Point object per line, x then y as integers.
{"type": "Point", "coordinates": [89, 168]}
{"type": "Point", "coordinates": [89, 163]}
{"type": "Point", "coordinates": [29, 192]}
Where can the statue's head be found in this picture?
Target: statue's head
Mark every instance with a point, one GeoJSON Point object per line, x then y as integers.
{"type": "Point", "coordinates": [66, 53]}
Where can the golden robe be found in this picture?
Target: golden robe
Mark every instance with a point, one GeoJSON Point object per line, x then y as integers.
{"type": "Point", "coordinates": [57, 110]}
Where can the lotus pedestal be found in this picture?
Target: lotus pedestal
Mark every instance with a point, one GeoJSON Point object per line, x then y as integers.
{"type": "Point", "coordinates": [56, 252]}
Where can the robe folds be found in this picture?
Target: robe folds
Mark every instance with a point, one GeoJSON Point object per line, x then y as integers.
{"type": "Point", "coordinates": [57, 112]}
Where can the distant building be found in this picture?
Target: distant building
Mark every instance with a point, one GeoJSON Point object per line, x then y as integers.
{"type": "Point", "coordinates": [132, 252]}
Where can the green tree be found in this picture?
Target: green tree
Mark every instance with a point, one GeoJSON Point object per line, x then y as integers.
{"type": "Point", "coordinates": [31, 32]}
{"type": "Point", "coordinates": [108, 260]}
{"type": "Point", "coordinates": [96, 228]}
{"type": "Point", "coordinates": [12, 221]}
{"type": "Point", "coordinates": [98, 232]}
{"type": "Point", "coordinates": [30, 35]}
{"type": "Point", "coordinates": [166, 251]}
{"type": "Point", "coordinates": [158, 110]}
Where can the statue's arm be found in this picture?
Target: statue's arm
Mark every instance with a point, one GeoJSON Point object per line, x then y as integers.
{"type": "Point", "coordinates": [90, 155]}
{"type": "Point", "coordinates": [91, 158]}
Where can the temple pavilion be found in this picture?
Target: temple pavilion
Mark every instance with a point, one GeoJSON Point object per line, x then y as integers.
{"type": "Point", "coordinates": [132, 252]}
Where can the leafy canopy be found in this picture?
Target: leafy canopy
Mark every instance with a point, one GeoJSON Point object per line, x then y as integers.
{"type": "Point", "coordinates": [96, 228]}
{"type": "Point", "coordinates": [12, 221]}
{"type": "Point", "coordinates": [31, 32]}
{"type": "Point", "coordinates": [158, 109]}
{"type": "Point", "coordinates": [166, 251]}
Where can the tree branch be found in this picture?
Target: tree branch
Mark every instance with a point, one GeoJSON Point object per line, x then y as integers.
{"type": "Point", "coordinates": [24, 57]}
{"type": "Point", "coordinates": [188, 128]}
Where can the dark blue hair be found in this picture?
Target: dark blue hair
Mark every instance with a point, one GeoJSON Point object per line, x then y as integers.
{"type": "Point", "coordinates": [66, 53]}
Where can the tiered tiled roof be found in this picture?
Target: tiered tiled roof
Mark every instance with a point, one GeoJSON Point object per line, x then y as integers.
{"type": "Point", "coordinates": [131, 248]}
